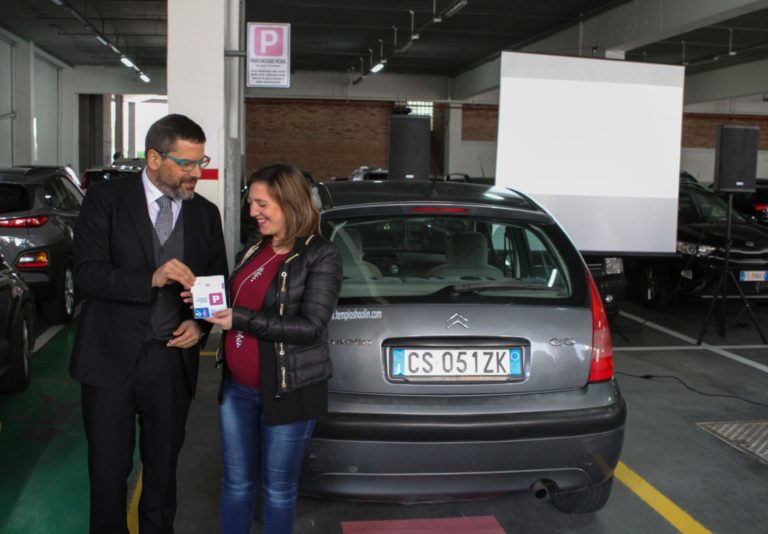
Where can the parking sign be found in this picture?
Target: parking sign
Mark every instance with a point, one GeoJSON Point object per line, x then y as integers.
{"type": "Point", "coordinates": [269, 55]}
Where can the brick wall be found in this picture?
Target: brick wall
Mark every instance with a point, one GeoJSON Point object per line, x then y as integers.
{"type": "Point", "coordinates": [700, 129]}
{"type": "Point", "coordinates": [323, 137]}
{"type": "Point", "coordinates": [332, 138]}
{"type": "Point", "coordinates": [479, 122]}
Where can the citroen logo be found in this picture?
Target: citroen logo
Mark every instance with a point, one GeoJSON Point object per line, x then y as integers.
{"type": "Point", "coordinates": [457, 319]}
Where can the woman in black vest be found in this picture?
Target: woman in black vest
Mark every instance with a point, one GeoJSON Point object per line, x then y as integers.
{"type": "Point", "coordinates": [283, 293]}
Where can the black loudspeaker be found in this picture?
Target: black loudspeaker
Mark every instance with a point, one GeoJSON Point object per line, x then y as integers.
{"type": "Point", "coordinates": [408, 147]}
{"type": "Point", "coordinates": [736, 158]}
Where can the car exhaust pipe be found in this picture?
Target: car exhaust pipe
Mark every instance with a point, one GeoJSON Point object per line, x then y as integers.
{"type": "Point", "coordinates": [540, 489]}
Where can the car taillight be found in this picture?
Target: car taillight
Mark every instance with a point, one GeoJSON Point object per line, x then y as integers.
{"type": "Point", "coordinates": [761, 207]}
{"type": "Point", "coordinates": [33, 260]}
{"type": "Point", "coordinates": [601, 360]}
{"type": "Point", "coordinates": [24, 222]}
{"type": "Point", "coordinates": [438, 209]}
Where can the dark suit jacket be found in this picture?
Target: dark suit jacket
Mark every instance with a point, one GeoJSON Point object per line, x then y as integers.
{"type": "Point", "coordinates": [114, 262]}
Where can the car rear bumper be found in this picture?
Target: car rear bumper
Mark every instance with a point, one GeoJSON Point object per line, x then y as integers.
{"type": "Point", "coordinates": [426, 458]}
{"type": "Point", "coordinates": [701, 280]}
{"type": "Point", "coordinates": [40, 283]}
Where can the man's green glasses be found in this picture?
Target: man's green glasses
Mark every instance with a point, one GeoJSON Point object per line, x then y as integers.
{"type": "Point", "coordinates": [188, 164]}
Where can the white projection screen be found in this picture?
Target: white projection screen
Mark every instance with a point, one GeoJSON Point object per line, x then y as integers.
{"type": "Point", "coordinates": [597, 143]}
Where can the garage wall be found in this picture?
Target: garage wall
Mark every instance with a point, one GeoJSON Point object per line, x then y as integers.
{"type": "Point", "coordinates": [478, 125]}
{"type": "Point", "coordinates": [700, 134]}
{"type": "Point", "coordinates": [471, 139]}
{"type": "Point", "coordinates": [97, 80]}
{"type": "Point", "coordinates": [378, 87]}
{"type": "Point", "coordinates": [45, 122]}
{"type": "Point", "coordinates": [6, 103]}
{"type": "Point", "coordinates": [323, 137]}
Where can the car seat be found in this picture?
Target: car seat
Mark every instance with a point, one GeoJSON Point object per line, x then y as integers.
{"type": "Point", "coordinates": [350, 247]}
{"type": "Point", "coordinates": [466, 256]}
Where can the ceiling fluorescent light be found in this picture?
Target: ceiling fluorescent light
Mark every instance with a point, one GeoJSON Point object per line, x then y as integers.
{"type": "Point", "coordinates": [127, 62]}
{"type": "Point", "coordinates": [144, 78]}
{"type": "Point", "coordinates": [102, 40]}
{"type": "Point", "coordinates": [382, 59]}
{"type": "Point", "coordinates": [455, 8]}
{"type": "Point", "coordinates": [59, 2]}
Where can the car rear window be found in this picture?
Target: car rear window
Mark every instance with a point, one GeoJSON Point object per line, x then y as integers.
{"type": "Point", "coordinates": [13, 198]}
{"type": "Point", "coordinates": [698, 205]}
{"type": "Point", "coordinates": [91, 177]}
{"type": "Point", "coordinates": [441, 258]}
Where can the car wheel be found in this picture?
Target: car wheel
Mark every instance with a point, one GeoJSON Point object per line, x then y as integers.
{"type": "Point", "coordinates": [583, 501]}
{"type": "Point", "coordinates": [17, 377]}
{"type": "Point", "coordinates": [652, 284]}
{"type": "Point", "coordinates": [62, 307]}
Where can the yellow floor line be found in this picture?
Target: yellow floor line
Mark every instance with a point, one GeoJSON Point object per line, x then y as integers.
{"type": "Point", "coordinates": [678, 517]}
{"type": "Point", "coordinates": [133, 508]}
{"type": "Point", "coordinates": [208, 353]}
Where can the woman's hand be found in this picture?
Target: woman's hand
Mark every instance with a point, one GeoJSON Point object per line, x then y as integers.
{"type": "Point", "coordinates": [222, 318]}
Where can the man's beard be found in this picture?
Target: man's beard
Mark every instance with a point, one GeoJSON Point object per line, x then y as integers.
{"type": "Point", "coordinates": [175, 193]}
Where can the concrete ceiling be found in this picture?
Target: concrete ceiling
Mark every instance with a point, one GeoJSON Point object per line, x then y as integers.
{"type": "Point", "coordinates": [336, 34]}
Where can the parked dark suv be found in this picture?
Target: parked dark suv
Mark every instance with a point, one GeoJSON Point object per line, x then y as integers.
{"type": "Point", "coordinates": [701, 238]}
{"type": "Point", "coordinates": [39, 207]}
{"type": "Point", "coordinates": [116, 170]}
{"type": "Point", "coordinates": [754, 203]}
{"type": "Point", "coordinates": [471, 351]}
{"type": "Point", "coordinates": [17, 327]}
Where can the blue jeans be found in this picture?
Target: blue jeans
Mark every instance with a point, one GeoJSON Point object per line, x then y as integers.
{"type": "Point", "coordinates": [258, 458]}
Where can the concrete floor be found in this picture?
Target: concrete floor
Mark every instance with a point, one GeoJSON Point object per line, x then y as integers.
{"type": "Point", "coordinates": [689, 481]}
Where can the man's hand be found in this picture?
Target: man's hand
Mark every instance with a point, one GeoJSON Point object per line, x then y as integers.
{"type": "Point", "coordinates": [187, 335]}
{"type": "Point", "coordinates": [173, 271]}
{"type": "Point", "coordinates": [222, 318]}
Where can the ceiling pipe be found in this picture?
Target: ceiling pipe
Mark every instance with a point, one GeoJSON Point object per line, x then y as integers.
{"type": "Point", "coordinates": [436, 18]}
{"type": "Point", "coordinates": [454, 8]}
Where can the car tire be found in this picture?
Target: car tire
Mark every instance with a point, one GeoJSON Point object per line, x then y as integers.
{"type": "Point", "coordinates": [584, 501]}
{"type": "Point", "coordinates": [652, 285]}
{"type": "Point", "coordinates": [61, 308]}
{"type": "Point", "coordinates": [18, 375]}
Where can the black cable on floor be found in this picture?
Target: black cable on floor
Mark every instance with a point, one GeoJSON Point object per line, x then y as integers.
{"type": "Point", "coordinates": [686, 386]}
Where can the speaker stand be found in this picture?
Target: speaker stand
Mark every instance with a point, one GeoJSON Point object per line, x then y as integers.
{"type": "Point", "coordinates": [721, 289]}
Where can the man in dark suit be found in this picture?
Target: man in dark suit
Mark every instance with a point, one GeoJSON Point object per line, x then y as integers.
{"type": "Point", "coordinates": [140, 242]}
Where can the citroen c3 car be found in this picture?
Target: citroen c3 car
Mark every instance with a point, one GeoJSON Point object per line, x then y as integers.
{"type": "Point", "coordinates": [471, 352]}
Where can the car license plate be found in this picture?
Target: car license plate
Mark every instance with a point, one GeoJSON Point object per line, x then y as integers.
{"type": "Point", "coordinates": [457, 363]}
{"type": "Point", "coordinates": [753, 276]}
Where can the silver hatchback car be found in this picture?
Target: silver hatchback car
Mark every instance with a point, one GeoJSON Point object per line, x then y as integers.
{"type": "Point", "coordinates": [471, 352]}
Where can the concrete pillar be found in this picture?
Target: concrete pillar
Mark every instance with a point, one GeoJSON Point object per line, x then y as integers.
{"type": "Point", "coordinates": [196, 78]}
{"type": "Point", "coordinates": [94, 127]}
{"type": "Point", "coordinates": [106, 130]}
{"type": "Point", "coordinates": [119, 143]}
{"type": "Point", "coordinates": [23, 102]}
{"type": "Point", "coordinates": [453, 139]}
{"type": "Point", "coordinates": [197, 33]}
{"type": "Point", "coordinates": [131, 130]}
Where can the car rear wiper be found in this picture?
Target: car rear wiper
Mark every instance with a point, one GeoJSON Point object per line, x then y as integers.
{"type": "Point", "coordinates": [496, 284]}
